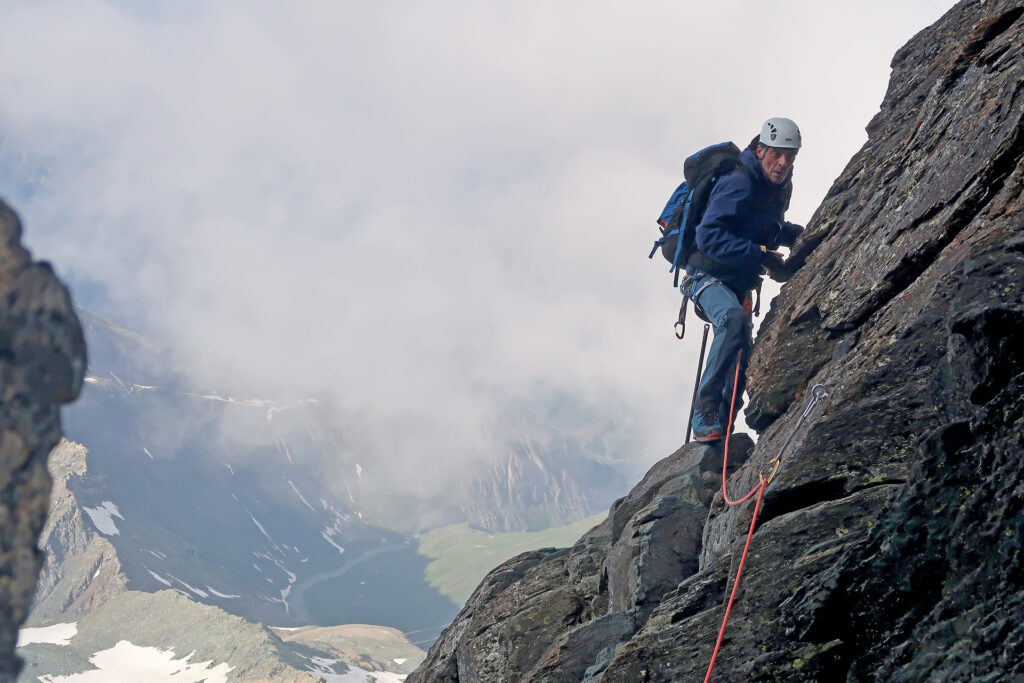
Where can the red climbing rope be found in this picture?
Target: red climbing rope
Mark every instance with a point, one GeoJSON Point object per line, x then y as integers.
{"type": "Point", "coordinates": [736, 584]}
{"type": "Point", "coordinates": [759, 490]}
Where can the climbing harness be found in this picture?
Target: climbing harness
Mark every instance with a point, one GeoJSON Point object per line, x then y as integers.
{"type": "Point", "coordinates": [680, 324]}
{"type": "Point", "coordinates": [696, 384]}
{"type": "Point", "coordinates": [681, 319]}
{"type": "Point", "coordinates": [818, 394]}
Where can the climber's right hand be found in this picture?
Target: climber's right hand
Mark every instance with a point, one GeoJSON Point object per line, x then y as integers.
{"type": "Point", "coordinates": [773, 262]}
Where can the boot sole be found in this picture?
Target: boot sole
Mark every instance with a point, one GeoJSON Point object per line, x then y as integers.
{"type": "Point", "coordinates": [710, 437]}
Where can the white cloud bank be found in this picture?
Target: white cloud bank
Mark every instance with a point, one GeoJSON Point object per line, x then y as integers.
{"type": "Point", "coordinates": [415, 206]}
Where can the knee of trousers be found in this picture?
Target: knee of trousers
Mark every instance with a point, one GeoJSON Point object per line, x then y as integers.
{"type": "Point", "coordinates": [736, 320]}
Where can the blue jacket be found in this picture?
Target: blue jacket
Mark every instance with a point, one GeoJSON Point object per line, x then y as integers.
{"type": "Point", "coordinates": [744, 211]}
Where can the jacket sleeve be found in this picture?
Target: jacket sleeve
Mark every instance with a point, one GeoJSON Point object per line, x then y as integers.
{"type": "Point", "coordinates": [719, 232]}
{"type": "Point", "coordinates": [789, 233]}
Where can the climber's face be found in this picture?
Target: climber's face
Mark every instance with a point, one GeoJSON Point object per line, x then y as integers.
{"type": "Point", "coordinates": [776, 162]}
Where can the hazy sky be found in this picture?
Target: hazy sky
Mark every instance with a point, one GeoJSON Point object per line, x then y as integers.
{"type": "Point", "coordinates": [419, 207]}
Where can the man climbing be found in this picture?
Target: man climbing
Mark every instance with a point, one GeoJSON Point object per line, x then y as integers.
{"type": "Point", "coordinates": [736, 241]}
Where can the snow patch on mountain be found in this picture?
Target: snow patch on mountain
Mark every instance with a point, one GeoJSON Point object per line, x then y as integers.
{"type": "Point", "coordinates": [324, 668]}
{"type": "Point", "coordinates": [57, 634]}
{"type": "Point", "coordinates": [127, 387]}
{"type": "Point", "coordinates": [286, 591]}
{"type": "Point", "coordinates": [103, 518]}
{"type": "Point", "coordinates": [202, 594]}
{"type": "Point", "coordinates": [128, 662]}
{"type": "Point", "coordinates": [262, 530]}
{"type": "Point", "coordinates": [160, 578]}
{"type": "Point", "coordinates": [328, 534]}
{"type": "Point", "coordinates": [301, 497]}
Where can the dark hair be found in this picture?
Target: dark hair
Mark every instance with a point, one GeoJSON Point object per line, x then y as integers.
{"type": "Point", "coordinates": [755, 142]}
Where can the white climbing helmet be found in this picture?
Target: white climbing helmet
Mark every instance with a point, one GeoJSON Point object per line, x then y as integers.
{"type": "Point", "coordinates": [780, 132]}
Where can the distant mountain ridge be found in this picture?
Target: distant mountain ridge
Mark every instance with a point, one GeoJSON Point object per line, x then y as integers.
{"type": "Point", "coordinates": [159, 496]}
{"type": "Point", "coordinates": [551, 469]}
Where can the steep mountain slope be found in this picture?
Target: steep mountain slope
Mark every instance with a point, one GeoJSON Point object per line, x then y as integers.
{"type": "Point", "coordinates": [81, 570]}
{"type": "Point", "coordinates": [553, 468]}
{"type": "Point", "coordinates": [270, 509]}
{"type": "Point", "coordinates": [532, 485]}
{"type": "Point", "coordinates": [256, 538]}
{"type": "Point", "coordinates": [221, 498]}
{"type": "Point", "coordinates": [888, 545]}
{"type": "Point", "coordinates": [85, 619]}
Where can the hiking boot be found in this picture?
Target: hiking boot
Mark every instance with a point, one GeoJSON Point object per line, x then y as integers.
{"type": "Point", "coordinates": [706, 426]}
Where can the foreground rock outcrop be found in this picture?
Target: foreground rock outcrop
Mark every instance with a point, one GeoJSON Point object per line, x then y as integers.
{"type": "Point", "coordinates": [889, 543]}
{"type": "Point", "coordinates": [42, 365]}
{"type": "Point", "coordinates": [547, 614]}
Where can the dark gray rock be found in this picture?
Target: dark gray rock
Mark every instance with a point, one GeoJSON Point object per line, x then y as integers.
{"type": "Point", "coordinates": [657, 528]}
{"type": "Point", "coordinates": [604, 658]}
{"type": "Point", "coordinates": [677, 641]}
{"type": "Point", "coordinates": [529, 617]}
{"type": "Point", "coordinates": [42, 365]}
{"type": "Point", "coordinates": [569, 657]}
{"type": "Point", "coordinates": [509, 621]}
{"type": "Point", "coordinates": [941, 149]}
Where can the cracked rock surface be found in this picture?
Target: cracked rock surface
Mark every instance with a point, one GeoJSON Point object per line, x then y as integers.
{"type": "Point", "coordinates": [888, 547]}
{"type": "Point", "coordinates": [42, 365]}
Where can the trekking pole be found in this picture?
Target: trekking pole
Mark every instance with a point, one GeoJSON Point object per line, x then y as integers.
{"type": "Point", "coordinates": [696, 384]}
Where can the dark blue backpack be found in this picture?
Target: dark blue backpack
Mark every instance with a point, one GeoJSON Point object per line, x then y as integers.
{"type": "Point", "coordinates": [681, 215]}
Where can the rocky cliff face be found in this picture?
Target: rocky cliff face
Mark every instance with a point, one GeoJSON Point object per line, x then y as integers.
{"type": "Point", "coordinates": [81, 570]}
{"type": "Point", "coordinates": [42, 364]}
{"type": "Point", "coordinates": [888, 545]}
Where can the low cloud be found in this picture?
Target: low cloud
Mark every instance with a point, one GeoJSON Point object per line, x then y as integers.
{"type": "Point", "coordinates": [416, 208]}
